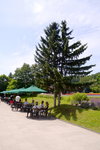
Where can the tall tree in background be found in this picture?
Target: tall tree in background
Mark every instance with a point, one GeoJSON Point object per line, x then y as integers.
{"type": "Point", "coordinates": [24, 76]}
{"type": "Point", "coordinates": [60, 60]}
{"type": "Point", "coordinates": [95, 87]}
{"type": "Point", "coordinates": [3, 82]}
{"type": "Point", "coordinates": [12, 84]}
{"type": "Point", "coordinates": [38, 77]}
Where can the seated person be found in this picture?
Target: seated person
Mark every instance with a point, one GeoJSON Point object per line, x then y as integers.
{"type": "Point", "coordinates": [11, 99]}
{"type": "Point", "coordinates": [26, 102]}
{"type": "Point", "coordinates": [17, 98]}
{"type": "Point", "coordinates": [24, 106]}
{"type": "Point", "coordinates": [47, 105]}
{"type": "Point", "coordinates": [35, 109]}
{"type": "Point", "coordinates": [41, 106]}
{"type": "Point", "coordinates": [36, 106]}
{"type": "Point", "coordinates": [32, 102]}
{"type": "Point", "coordinates": [46, 108]}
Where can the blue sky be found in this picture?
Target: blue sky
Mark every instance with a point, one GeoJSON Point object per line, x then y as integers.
{"type": "Point", "coordinates": [22, 23]}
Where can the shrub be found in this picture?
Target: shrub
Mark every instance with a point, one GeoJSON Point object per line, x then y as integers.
{"type": "Point", "coordinates": [95, 104]}
{"type": "Point", "coordinates": [85, 104]}
{"type": "Point", "coordinates": [78, 98]}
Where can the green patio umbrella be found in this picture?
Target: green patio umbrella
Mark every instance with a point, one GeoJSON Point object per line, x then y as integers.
{"type": "Point", "coordinates": [22, 90]}
{"type": "Point", "coordinates": [16, 90]}
{"type": "Point", "coordinates": [13, 91]}
{"type": "Point", "coordinates": [4, 92]}
{"type": "Point", "coordinates": [33, 89]}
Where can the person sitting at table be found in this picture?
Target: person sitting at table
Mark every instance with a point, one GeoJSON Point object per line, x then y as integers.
{"type": "Point", "coordinates": [17, 98]}
{"type": "Point", "coordinates": [41, 106]}
{"type": "Point", "coordinates": [47, 105]}
{"type": "Point", "coordinates": [11, 100]}
{"type": "Point", "coordinates": [36, 106]}
{"type": "Point", "coordinates": [46, 108]}
{"type": "Point", "coordinates": [35, 109]}
{"type": "Point", "coordinates": [26, 102]}
{"type": "Point", "coordinates": [24, 106]}
{"type": "Point", "coordinates": [32, 102]}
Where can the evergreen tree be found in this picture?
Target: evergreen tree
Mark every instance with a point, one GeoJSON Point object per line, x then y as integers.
{"type": "Point", "coordinates": [60, 60]}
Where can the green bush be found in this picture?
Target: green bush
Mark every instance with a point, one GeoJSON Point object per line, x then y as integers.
{"type": "Point", "coordinates": [78, 98]}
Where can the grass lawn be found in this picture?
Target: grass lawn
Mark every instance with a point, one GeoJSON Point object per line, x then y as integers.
{"type": "Point", "coordinates": [83, 117]}
{"type": "Point", "coordinates": [87, 118]}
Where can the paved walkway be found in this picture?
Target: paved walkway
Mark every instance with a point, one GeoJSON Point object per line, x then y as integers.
{"type": "Point", "coordinates": [19, 133]}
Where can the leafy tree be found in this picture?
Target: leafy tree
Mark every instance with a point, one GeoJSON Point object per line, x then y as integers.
{"type": "Point", "coordinates": [37, 74]}
{"type": "Point", "coordinates": [3, 82]}
{"type": "Point", "coordinates": [61, 61]}
{"type": "Point", "coordinates": [95, 87]}
{"type": "Point", "coordinates": [10, 75]}
{"type": "Point", "coordinates": [12, 84]}
{"type": "Point", "coordinates": [91, 82]}
{"type": "Point", "coordinates": [24, 76]}
{"type": "Point", "coordinates": [86, 82]}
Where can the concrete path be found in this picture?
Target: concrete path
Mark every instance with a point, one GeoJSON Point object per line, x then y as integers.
{"type": "Point", "coordinates": [19, 133]}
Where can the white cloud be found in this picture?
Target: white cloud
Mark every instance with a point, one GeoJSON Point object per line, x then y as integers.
{"type": "Point", "coordinates": [37, 8]}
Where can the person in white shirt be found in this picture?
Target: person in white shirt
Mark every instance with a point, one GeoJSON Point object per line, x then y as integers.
{"type": "Point", "coordinates": [17, 98]}
{"type": "Point", "coordinates": [36, 106]}
{"type": "Point", "coordinates": [41, 106]}
{"type": "Point", "coordinates": [35, 109]}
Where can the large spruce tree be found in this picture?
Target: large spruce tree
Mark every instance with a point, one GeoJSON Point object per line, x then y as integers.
{"type": "Point", "coordinates": [60, 60]}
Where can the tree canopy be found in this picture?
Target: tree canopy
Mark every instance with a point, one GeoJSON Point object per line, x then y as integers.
{"type": "Point", "coordinates": [61, 60]}
{"type": "Point", "coordinates": [24, 76]}
{"type": "Point", "coordinates": [3, 82]}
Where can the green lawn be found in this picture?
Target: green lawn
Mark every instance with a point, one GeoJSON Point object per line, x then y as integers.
{"type": "Point", "coordinates": [83, 117]}
{"type": "Point", "coordinates": [87, 118]}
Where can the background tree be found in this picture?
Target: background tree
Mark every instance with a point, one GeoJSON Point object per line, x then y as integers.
{"type": "Point", "coordinates": [91, 83]}
{"type": "Point", "coordinates": [37, 74]}
{"type": "Point", "coordinates": [95, 87]}
{"type": "Point", "coordinates": [40, 80]}
{"type": "Point", "coordinates": [12, 84]}
{"type": "Point", "coordinates": [3, 82]}
{"type": "Point", "coordinates": [24, 76]}
{"type": "Point", "coordinates": [60, 60]}
{"type": "Point", "coordinates": [10, 75]}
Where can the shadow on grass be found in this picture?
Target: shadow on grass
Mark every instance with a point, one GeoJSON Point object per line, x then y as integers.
{"type": "Point", "coordinates": [67, 111]}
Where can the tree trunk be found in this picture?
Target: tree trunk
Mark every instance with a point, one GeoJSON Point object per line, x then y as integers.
{"type": "Point", "coordinates": [59, 98]}
{"type": "Point", "coordinates": [55, 96]}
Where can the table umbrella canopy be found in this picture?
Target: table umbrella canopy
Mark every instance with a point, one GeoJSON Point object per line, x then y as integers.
{"type": "Point", "coordinates": [16, 90]}
{"type": "Point", "coordinates": [33, 89]}
{"type": "Point", "coordinates": [13, 91]}
{"type": "Point", "coordinates": [4, 92]}
{"type": "Point", "coordinates": [22, 90]}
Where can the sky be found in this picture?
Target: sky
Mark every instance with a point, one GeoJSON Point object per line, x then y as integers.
{"type": "Point", "coordinates": [22, 22]}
